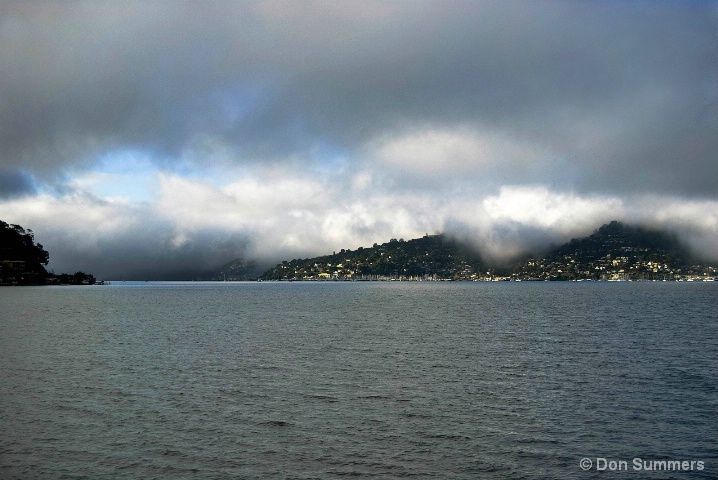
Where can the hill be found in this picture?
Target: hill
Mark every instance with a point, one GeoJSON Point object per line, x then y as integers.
{"type": "Point", "coordinates": [613, 252]}
{"type": "Point", "coordinates": [430, 257]}
{"type": "Point", "coordinates": [616, 252]}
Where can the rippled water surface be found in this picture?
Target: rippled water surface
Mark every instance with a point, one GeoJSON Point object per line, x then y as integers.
{"type": "Point", "coordinates": [323, 380]}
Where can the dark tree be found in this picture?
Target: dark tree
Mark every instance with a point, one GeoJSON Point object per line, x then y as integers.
{"type": "Point", "coordinates": [22, 261]}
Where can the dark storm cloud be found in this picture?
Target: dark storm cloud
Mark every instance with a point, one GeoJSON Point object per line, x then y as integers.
{"type": "Point", "coordinates": [15, 183]}
{"type": "Point", "coordinates": [150, 253]}
{"type": "Point", "coordinates": [625, 93]}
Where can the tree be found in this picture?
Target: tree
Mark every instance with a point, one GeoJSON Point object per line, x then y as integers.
{"type": "Point", "coordinates": [21, 260]}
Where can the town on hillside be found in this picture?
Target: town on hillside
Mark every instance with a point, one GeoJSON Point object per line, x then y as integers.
{"type": "Point", "coordinates": [614, 252]}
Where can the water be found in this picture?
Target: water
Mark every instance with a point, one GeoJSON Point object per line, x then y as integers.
{"type": "Point", "coordinates": [388, 380]}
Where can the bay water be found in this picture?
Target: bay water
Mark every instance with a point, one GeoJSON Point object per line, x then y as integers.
{"type": "Point", "coordinates": [364, 379]}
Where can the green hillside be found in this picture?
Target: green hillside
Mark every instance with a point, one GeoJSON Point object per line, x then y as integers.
{"type": "Point", "coordinates": [432, 256]}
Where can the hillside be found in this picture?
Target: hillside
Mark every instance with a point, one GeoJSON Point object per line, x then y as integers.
{"type": "Point", "coordinates": [613, 252]}
{"type": "Point", "coordinates": [616, 252]}
{"type": "Point", "coordinates": [429, 257]}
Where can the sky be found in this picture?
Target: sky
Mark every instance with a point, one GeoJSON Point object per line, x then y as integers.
{"type": "Point", "coordinates": [160, 139]}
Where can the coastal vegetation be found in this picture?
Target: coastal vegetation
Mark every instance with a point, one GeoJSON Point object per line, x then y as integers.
{"type": "Point", "coordinates": [23, 262]}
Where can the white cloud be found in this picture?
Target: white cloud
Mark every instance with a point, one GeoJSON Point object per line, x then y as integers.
{"type": "Point", "coordinates": [248, 203]}
{"type": "Point", "coordinates": [695, 221]}
{"type": "Point", "coordinates": [540, 207]}
{"type": "Point", "coordinates": [194, 224]}
{"type": "Point", "coordinates": [456, 153]}
{"type": "Point", "coordinates": [296, 215]}
{"type": "Point", "coordinates": [81, 215]}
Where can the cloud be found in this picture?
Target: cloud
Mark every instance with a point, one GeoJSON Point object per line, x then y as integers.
{"type": "Point", "coordinates": [295, 128]}
{"type": "Point", "coordinates": [195, 226]}
{"type": "Point", "coordinates": [540, 207]}
{"type": "Point", "coordinates": [16, 183]}
{"type": "Point", "coordinates": [610, 89]}
{"type": "Point", "coordinates": [295, 215]}
{"type": "Point", "coordinates": [453, 154]}
{"type": "Point", "coordinates": [114, 239]}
